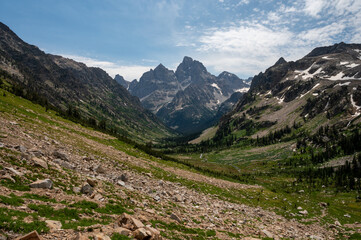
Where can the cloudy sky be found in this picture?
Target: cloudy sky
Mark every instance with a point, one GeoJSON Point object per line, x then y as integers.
{"type": "Point", "coordinates": [128, 37]}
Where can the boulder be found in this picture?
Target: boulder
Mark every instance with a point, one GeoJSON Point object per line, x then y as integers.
{"type": "Point", "coordinates": [36, 152]}
{"type": "Point", "coordinates": [304, 212]}
{"type": "Point", "coordinates": [123, 231]}
{"type": "Point", "coordinates": [39, 162]}
{"type": "Point", "coordinates": [87, 189]}
{"type": "Point", "coordinates": [154, 233]}
{"type": "Point", "coordinates": [101, 236]}
{"type": "Point", "coordinates": [129, 222]}
{"type": "Point", "coordinates": [76, 189]}
{"type": "Point", "coordinates": [53, 225]}
{"type": "Point", "coordinates": [12, 171]}
{"type": "Point", "coordinates": [142, 234]}
{"type": "Point", "coordinates": [46, 183]}
{"type": "Point", "coordinates": [30, 236]}
{"type": "Point", "coordinates": [121, 183]}
{"type": "Point", "coordinates": [61, 155]}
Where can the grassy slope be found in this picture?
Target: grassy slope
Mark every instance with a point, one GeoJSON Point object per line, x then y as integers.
{"type": "Point", "coordinates": [275, 195]}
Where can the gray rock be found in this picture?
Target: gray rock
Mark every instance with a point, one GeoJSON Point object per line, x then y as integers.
{"type": "Point", "coordinates": [91, 182]}
{"type": "Point", "coordinates": [99, 169]}
{"type": "Point", "coordinates": [175, 217]}
{"type": "Point", "coordinates": [39, 162]}
{"type": "Point", "coordinates": [36, 152]}
{"type": "Point", "coordinates": [53, 225]}
{"type": "Point", "coordinates": [121, 183]}
{"type": "Point", "coordinates": [1, 145]}
{"type": "Point", "coordinates": [87, 189]}
{"type": "Point", "coordinates": [46, 183]}
{"type": "Point", "coordinates": [267, 233]}
{"type": "Point", "coordinates": [21, 148]}
{"type": "Point", "coordinates": [76, 189]}
{"type": "Point", "coordinates": [13, 171]}
{"type": "Point", "coordinates": [142, 234]}
{"type": "Point", "coordinates": [64, 164]}
{"type": "Point", "coordinates": [304, 212]}
{"type": "Point", "coordinates": [124, 177]}
{"type": "Point", "coordinates": [61, 155]}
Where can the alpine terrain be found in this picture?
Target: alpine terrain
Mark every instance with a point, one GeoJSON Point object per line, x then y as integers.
{"type": "Point", "coordinates": [189, 99]}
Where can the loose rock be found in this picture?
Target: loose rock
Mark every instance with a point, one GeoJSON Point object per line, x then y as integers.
{"type": "Point", "coordinates": [46, 183]}
{"type": "Point", "coordinates": [39, 162]}
{"type": "Point", "coordinates": [30, 236]}
{"type": "Point", "coordinates": [87, 189]}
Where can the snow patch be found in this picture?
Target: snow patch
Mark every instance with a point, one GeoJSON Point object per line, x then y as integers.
{"type": "Point", "coordinates": [355, 106]}
{"type": "Point", "coordinates": [242, 90]}
{"type": "Point", "coordinates": [215, 86]}
{"type": "Point", "coordinates": [342, 84]}
{"type": "Point", "coordinates": [302, 95]}
{"type": "Point", "coordinates": [344, 63]}
{"type": "Point", "coordinates": [305, 73]}
{"type": "Point", "coordinates": [327, 58]}
{"type": "Point", "coordinates": [352, 65]}
{"type": "Point", "coordinates": [338, 76]}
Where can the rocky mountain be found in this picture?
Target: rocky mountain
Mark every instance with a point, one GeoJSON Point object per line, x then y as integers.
{"type": "Point", "coordinates": [322, 88]}
{"type": "Point", "coordinates": [188, 99]}
{"type": "Point", "coordinates": [122, 81]}
{"type": "Point", "coordinates": [72, 86]}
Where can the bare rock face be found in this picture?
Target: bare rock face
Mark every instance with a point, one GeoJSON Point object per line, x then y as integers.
{"type": "Point", "coordinates": [46, 183]}
{"type": "Point", "coordinates": [142, 234]}
{"type": "Point", "coordinates": [123, 231]}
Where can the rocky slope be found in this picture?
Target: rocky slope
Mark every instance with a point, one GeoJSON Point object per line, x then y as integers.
{"type": "Point", "coordinates": [322, 87]}
{"type": "Point", "coordinates": [187, 100]}
{"type": "Point", "coordinates": [63, 82]}
{"type": "Point", "coordinates": [94, 179]}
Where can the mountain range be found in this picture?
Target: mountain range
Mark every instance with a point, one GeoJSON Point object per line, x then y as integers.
{"type": "Point", "coordinates": [70, 86]}
{"type": "Point", "coordinates": [322, 88]}
{"type": "Point", "coordinates": [189, 99]}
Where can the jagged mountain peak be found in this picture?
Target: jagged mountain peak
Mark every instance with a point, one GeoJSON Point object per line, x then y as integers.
{"type": "Point", "coordinates": [336, 48]}
{"type": "Point", "coordinates": [226, 74]}
{"type": "Point", "coordinates": [280, 61]}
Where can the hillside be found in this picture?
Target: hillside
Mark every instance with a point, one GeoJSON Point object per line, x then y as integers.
{"type": "Point", "coordinates": [72, 87]}
{"type": "Point", "coordinates": [189, 99]}
{"type": "Point", "coordinates": [96, 178]}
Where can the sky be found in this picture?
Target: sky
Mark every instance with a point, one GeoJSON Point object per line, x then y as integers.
{"type": "Point", "coordinates": [129, 37]}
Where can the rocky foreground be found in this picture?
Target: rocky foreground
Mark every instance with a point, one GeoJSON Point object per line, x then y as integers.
{"type": "Point", "coordinates": [70, 179]}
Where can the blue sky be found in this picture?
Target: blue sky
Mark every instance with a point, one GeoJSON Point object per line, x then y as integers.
{"type": "Point", "coordinates": [131, 36]}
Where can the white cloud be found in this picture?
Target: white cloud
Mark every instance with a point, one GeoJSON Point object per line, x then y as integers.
{"type": "Point", "coordinates": [247, 48]}
{"type": "Point", "coordinates": [322, 35]}
{"type": "Point", "coordinates": [314, 7]}
{"type": "Point", "coordinates": [129, 72]}
{"type": "Point", "coordinates": [243, 2]}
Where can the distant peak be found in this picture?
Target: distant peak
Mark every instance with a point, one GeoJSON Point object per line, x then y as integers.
{"type": "Point", "coordinates": [280, 61]}
{"type": "Point", "coordinates": [187, 59]}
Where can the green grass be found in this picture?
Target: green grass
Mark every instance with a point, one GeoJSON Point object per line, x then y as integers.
{"type": "Point", "coordinates": [38, 197]}
{"type": "Point", "coordinates": [13, 220]}
{"type": "Point", "coordinates": [12, 200]}
{"type": "Point", "coordinates": [117, 236]}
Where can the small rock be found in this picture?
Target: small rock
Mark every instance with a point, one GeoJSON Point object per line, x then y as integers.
{"type": "Point", "coordinates": [129, 222]}
{"type": "Point", "coordinates": [299, 208]}
{"type": "Point", "coordinates": [175, 217]}
{"type": "Point", "coordinates": [63, 164]}
{"type": "Point", "coordinates": [337, 223]}
{"type": "Point", "coordinates": [14, 123]}
{"type": "Point", "coordinates": [156, 198]}
{"type": "Point", "coordinates": [61, 155]}
{"type": "Point", "coordinates": [76, 189]}
{"type": "Point", "coordinates": [87, 189]}
{"type": "Point", "coordinates": [46, 183]}
{"type": "Point", "coordinates": [142, 234]}
{"type": "Point", "coordinates": [53, 225]}
{"type": "Point", "coordinates": [99, 169]}
{"type": "Point", "coordinates": [36, 152]}
{"type": "Point", "coordinates": [347, 215]}
{"type": "Point", "coordinates": [267, 233]}
{"type": "Point", "coordinates": [304, 212]}
{"type": "Point", "coordinates": [30, 236]}
{"type": "Point", "coordinates": [124, 177]}
{"type": "Point", "coordinates": [39, 162]}
{"type": "Point", "coordinates": [2, 237]}
{"type": "Point", "coordinates": [98, 197]}
{"type": "Point", "coordinates": [154, 233]}
{"type": "Point", "coordinates": [178, 198]}
{"type": "Point", "coordinates": [121, 183]}
{"type": "Point", "coordinates": [92, 182]}
{"type": "Point", "coordinates": [323, 204]}
{"type": "Point", "coordinates": [13, 171]}
{"type": "Point", "coordinates": [101, 236]}
{"type": "Point", "coordinates": [21, 148]}
{"type": "Point", "coordinates": [123, 231]}
{"type": "Point", "coordinates": [1, 145]}
{"type": "Point", "coordinates": [301, 191]}
{"type": "Point", "coordinates": [148, 174]}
